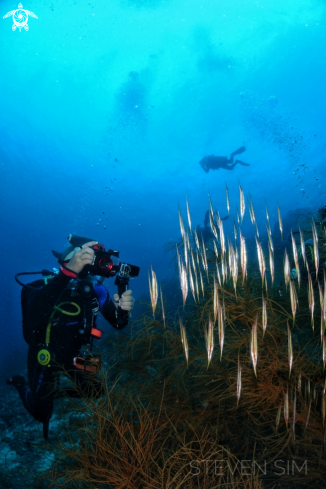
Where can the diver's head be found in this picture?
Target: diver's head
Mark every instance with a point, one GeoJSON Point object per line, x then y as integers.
{"type": "Point", "coordinates": [75, 241]}
{"type": "Point", "coordinates": [203, 164]}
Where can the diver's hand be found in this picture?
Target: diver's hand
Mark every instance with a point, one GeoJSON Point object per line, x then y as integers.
{"type": "Point", "coordinates": [126, 301]}
{"type": "Point", "coordinates": [81, 257]}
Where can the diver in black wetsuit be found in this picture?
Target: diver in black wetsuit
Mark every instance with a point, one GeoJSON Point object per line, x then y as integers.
{"type": "Point", "coordinates": [63, 310]}
{"type": "Point", "coordinates": [216, 162]}
{"type": "Point", "coordinates": [205, 232]}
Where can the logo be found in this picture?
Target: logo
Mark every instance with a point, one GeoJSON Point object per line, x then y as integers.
{"type": "Point", "coordinates": [20, 18]}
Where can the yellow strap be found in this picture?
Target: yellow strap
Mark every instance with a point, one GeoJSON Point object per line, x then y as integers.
{"type": "Point", "coordinates": [58, 308]}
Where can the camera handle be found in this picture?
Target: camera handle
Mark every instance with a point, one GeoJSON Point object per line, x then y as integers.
{"type": "Point", "coordinates": [121, 315]}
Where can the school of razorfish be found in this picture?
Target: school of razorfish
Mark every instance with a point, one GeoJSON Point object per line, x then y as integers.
{"type": "Point", "coordinates": [192, 263]}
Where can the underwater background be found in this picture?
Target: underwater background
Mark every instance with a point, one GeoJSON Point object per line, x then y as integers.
{"type": "Point", "coordinates": [107, 107]}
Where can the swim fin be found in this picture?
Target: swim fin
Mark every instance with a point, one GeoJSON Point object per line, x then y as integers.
{"type": "Point", "coordinates": [238, 151]}
{"type": "Point", "coordinates": [46, 430]}
{"type": "Point", "coordinates": [16, 380]}
{"type": "Point", "coordinates": [242, 163]}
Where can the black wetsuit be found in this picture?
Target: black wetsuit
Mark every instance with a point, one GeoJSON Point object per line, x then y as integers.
{"type": "Point", "coordinates": [216, 162]}
{"type": "Point", "coordinates": [205, 232]}
{"type": "Point", "coordinates": [68, 333]}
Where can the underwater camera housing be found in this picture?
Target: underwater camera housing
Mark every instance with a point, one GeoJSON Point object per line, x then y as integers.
{"type": "Point", "coordinates": [107, 263]}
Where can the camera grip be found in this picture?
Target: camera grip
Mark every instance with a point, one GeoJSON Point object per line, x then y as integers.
{"type": "Point", "coordinates": [121, 315]}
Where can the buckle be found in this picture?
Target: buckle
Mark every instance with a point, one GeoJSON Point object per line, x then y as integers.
{"type": "Point", "coordinates": [90, 364]}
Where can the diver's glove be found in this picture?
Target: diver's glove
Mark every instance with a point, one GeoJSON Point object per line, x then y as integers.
{"type": "Point", "coordinates": [126, 301]}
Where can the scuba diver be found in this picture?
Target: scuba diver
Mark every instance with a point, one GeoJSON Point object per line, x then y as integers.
{"type": "Point", "coordinates": [216, 162]}
{"type": "Point", "coordinates": [205, 232]}
{"type": "Point", "coordinates": [59, 318]}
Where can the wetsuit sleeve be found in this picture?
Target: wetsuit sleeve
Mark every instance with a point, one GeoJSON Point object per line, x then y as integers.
{"type": "Point", "coordinates": [106, 305]}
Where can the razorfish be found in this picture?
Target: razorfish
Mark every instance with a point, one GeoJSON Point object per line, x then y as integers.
{"type": "Point", "coordinates": [204, 257]}
{"type": "Point", "coordinates": [218, 274]}
{"type": "Point", "coordinates": [209, 338]}
{"type": "Point", "coordinates": [201, 282]}
{"type": "Point", "coordinates": [267, 214]}
{"type": "Point", "coordinates": [264, 314]}
{"type": "Point", "coordinates": [211, 206]}
{"type": "Point", "coordinates": [184, 341]}
{"type": "Point", "coordinates": [252, 212]}
{"type": "Point", "coordinates": [252, 215]}
{"type": "Point", "coordinates": [280, 224]}
{"type": "Point", "coordinates": [295, 258]}
{"type": "Point", "coordinates": [193, 261]}
{"type": "Point", "coordinates": [235, 230]}
{"type": "Point", "coordinates": [185, 247]}
{"type": "Point", "coordinates": [162, 307]}
{"type": "Point", "coordinates": [242, 203]}
{"type": "Point", "coordinates": [271, 262]}
{"type": "Point", "coordinates": [192, 283]}
{"type": "Point", "coordinates": [311, 299]}
{"type": "Point", "coordinates": [196, 239]}
{"type": "Point", "coordinates": [322, 322]}
{"type": "Point", "coordinates": [216, 300]}
{"type": "Point", "coordinates": [293, 299]}
{"type": "Point", "coordinates": [278, 416]}
{"type": "Point", "coordinates": [315, 243]}
{"type": "Point", "coordinates": [153, 290]}
{"type": "Point", "coordinates": [222, 238]}
{"type": "Point", "coordinates": [238, 380]}
{"type": "Point", "coordinates": [184, 283]}
{"type": "Point", "coordinates": [213, 228]}
{"type": "Point", "coordinates": [179, 260]}
{"type": "Point", "coordinates": [227, 199]}
{"type": "Point", "coordinates": [243, 256]}
{"type": "Point", "coordinates": [254, 345]}
{"type": "Point", "coordinates": [182, 228]}
{"type": "Point", "coordinates": [196, 285]}
{"type": "Point", "coordinates": [286, 406]}
{"type": "Point", "coordinates": [294, 413]}
{"type": "Point", "coordinates": [188, 214]}
{"type": "Point", "coordinates": [261, 260]}
{"type": "Point", "coordinates": [215, 249]}
{"type": "Point", "coordinates": [238, 216]}
{"type": "Point", "coordinates": [269, 235]}
{"type": "Point", "coordinates": [303, 247]}
{"type": "Point", "coordinates": [290, 349]}
{"type": "Point", "coordinates": [287, 270]}
{"type": "Point", "coordinates": [221, 328]}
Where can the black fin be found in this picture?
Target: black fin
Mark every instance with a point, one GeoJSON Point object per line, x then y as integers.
{"type": "Point", "coordinates": [45, 430]}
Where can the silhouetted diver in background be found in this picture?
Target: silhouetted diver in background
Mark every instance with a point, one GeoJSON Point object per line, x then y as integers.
{"type": "Point", "coordinates": [215, 162]}
{"type": "Point", "coordinates": [205, 232]}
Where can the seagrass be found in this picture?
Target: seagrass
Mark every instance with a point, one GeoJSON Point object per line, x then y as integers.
{"type": "Point", "coordinates": [162, 416]}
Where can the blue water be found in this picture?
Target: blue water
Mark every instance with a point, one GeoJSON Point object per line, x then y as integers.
{"type": "Point", "coordinates": [106, 108]}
